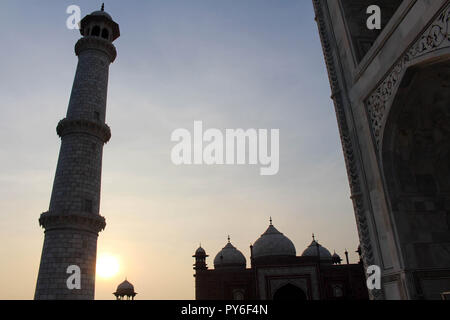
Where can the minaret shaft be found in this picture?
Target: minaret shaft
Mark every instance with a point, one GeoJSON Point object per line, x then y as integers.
{"type": "Point", "coordinates": [73, 222]}
{"type": "Point", "coordinates": [77, 181]}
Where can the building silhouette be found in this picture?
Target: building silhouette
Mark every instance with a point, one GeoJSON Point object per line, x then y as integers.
{"type": "Point", "coordinates": [277, 273]}
{"type": "Point", "coordinates": [73, 222]}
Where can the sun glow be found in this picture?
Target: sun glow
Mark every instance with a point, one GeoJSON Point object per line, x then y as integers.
{"type": "Point", "coordinates": [107, 266]}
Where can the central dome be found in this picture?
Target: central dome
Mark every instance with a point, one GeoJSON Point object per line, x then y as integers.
{"type": "Point", "coordinates": [229, 257]}
{"type": "Point", "coordinates": [273, 243]}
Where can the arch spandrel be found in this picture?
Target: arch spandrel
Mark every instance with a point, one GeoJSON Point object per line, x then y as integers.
{"type": "Point", "coordinates": [432, 46]}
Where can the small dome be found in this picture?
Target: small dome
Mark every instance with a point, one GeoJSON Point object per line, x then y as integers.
{"type": "Point", "coordinates": [200, 252]}
{"type": "Point", "coordinates": [125, 286]}
{"type": "Point", "coordinates": [311, 251]}
{"type": "Point", "coordinates": [273, 243]}
{"type": "Point", "coordinates": [101, 13]}
{"type": "Point", "coordinates": [229, 257]}
{"type": "Point", "coordinates": [125, 289]}
{"type": "Point", "coordinates": [92, 20]}
{"type": "Point", "coordinates": [336, 258]}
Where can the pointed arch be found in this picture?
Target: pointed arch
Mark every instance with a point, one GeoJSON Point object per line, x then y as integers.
{"type": "Point", "coordinates": [289, 292]}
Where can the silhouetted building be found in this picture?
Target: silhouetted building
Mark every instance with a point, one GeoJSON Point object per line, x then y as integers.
{"type": "Point", "coordinates": [277, 273]}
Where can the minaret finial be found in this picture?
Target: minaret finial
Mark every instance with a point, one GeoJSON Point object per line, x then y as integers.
{"type": "Point", "coordinates": [229, 239]}
{"type": "Point", "coordinates": [103, 7]}
{"type": "Point", "coordinates": [314, 237]}
{"type": "Point", "coordinates": [271, 221]}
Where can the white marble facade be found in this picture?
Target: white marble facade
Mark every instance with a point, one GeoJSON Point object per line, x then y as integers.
{"type": "Point", "coordinates": [390, 89]}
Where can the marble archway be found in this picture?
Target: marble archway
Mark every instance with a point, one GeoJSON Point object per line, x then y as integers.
{"type": "Point", "coordinates": [415, 160]}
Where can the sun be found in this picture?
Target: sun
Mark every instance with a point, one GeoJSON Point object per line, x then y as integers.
{"type": "Point", "coordinates": [107, 266]}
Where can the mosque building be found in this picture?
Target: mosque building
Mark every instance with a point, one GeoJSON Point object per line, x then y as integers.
{"type": "Point", "coordinates": [277, 273]}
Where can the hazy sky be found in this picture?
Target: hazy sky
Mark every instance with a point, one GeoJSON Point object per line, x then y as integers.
{"type": "Point", "coordinates": [229, 63]}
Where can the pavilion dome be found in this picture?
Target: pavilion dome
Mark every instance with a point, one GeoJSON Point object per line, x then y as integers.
{"type": "Point", "coordinates": [336, 258]}
{"type": "Point", "coordinates": [200, 252]}
{"type": "Point", "coordinates": [273, 243]}
{"type": "Point", "coordinates": [101, 13]}
{"type": "Point", "coordinates": [229, 257]}
{"type": "Point", "coordinates": [125, 289]}
{"type": "Point", "coordinates": [100, 19]}
{"type": "Point", "coordinates": [125, 286]}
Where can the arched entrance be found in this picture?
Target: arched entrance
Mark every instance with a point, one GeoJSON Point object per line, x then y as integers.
{"type": "Point", "coordinates": [416, 168]}
{"type": "Point", "coordinates": [289, 292]}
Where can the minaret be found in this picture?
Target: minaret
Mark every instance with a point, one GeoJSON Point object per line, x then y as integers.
{"type": "Point", "coordinates": [346, 256]}
{"type": "Point", "coordinates": [73, 222]}
{"type": "Point", "coordinates": [200, 259]}
{"type": "Point", "coordinates": [199, 267]}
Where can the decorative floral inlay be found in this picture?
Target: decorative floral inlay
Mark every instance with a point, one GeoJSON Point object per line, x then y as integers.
{"type": "Point", "coordinates": [437, 36]}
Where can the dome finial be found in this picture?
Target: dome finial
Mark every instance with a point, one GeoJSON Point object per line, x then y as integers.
{"type": "Point", "coordinates": [229, 239]}
{"type": "Point", "coordinates": [271, 221]}
{"type": "Point", "coordinates": [314, 237]}
{"type": "Point", "coordinates": [103, 7]}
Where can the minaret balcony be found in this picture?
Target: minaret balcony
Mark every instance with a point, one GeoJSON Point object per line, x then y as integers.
{"type": "Point", "coordinates": [89, 222]}
{"type": "Point", "coordinates": [96, 43]}
{"type": "Point", "coordinates": [97, 129]}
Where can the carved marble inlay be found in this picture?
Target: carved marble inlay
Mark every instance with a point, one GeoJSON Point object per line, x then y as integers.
{"type": "Point", "coordinates": [436, 36]}
{"type": "Point", "coordinates": [349, 146]}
